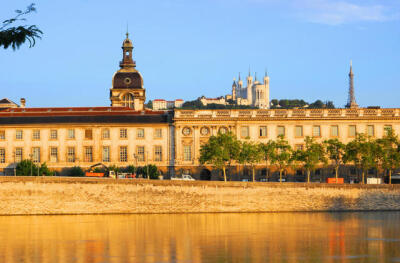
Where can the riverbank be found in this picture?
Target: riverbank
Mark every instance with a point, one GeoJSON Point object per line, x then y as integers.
{"type": "Point", "coordinates": [60, 195]}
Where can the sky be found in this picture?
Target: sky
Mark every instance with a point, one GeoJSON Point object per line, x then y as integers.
{"type": "Point", "coordinates": [185, 49]}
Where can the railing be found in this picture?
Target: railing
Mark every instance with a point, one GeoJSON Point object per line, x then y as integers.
{"type": "Point", "coordinates": [293, 113]}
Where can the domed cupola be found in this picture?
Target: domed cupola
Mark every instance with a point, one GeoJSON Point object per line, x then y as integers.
{"type": "Point", "coordinates": [127, 83]}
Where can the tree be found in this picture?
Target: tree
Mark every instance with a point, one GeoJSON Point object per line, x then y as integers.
{"type": "Point", "coordinates": [219, 151]}
{"type": "Point", "coordinates": [26, 168]}
{"type": "Point", "coordinates": [150, 171]}
{"type": "Point", "coordinates": [363, 152]}
{"type": "Point", "coordinates": [267, 150]}
{"type": "Point", "coordinates": [335, 150]}
{"type": "Point", "coordinates": [311, 155]}
{"type": "Point", "coordinates": [149, 104]}
{"type": "Point", "coordinates": [16, 36]}
{"type": "Point", "coordinates": [282, 155]}
{"type": "Point", "coordinates": [250, 153]}
{"type": "Point", "coordinates": [389, 153]}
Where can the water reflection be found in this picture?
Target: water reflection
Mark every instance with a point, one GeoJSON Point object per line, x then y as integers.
{"type": "Point", "coordinates": [276, 237]}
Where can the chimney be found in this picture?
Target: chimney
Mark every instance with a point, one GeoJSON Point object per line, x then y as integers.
{"type": "Point", "coordinates": [23, 101]}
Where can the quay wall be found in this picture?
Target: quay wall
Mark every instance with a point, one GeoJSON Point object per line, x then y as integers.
{"type": "Point", "coordinates": [60, 195]}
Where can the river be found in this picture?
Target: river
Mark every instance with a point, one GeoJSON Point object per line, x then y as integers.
{"type": "Point", "coordinates": [264, 237]}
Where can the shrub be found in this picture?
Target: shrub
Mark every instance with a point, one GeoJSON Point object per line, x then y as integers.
{"type": "Point", "coordinates": [26, 168]}
{"type": "Point", "coordinates": [76, 171]}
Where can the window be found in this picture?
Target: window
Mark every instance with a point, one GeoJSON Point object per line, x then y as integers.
{"type": "Point", "coordinates": [19, 135]}
{"type": "Point", "coordinates": [53, 154]}
{"type": "Point", "coordinates": [223, 130]}
{"type": "Point", "coordinates": [71, 154]}
{"type": "Point", "coordinates": [2, 135]}
{"type": "Point", "coordinates": [334, 131]}
{"type": "Point", "coordinates": [128, 100]}
{"type": "Point", "coordinates": [186, 131]}
{"type": "Point", "coordinates": [105, 134]}
{"type": "Point", "coordinates": [158, 133]}
{"type": "Point", "coordinates": [352, 131]}
{"type": "Point", "coordinates": [71, 134]}
{"type": "Point", "coordinates": [386, 129]}
{"type": "Point", "coordinates": [18, 154]}
{"type": "Point", "coordinates": [2, 155]}
{"type": "Point", "coordinates": [88, 153]}
{"type": "Point", "coordinates": [298, 131]}
{"type": "Point", "coordinates": [36, 154]}
{"type": "Point", "coordinates": [187, 152]}
{"type": "Point", "coordinates": [53, 134]}
{"type": "Point", "coordinates": [281, 131]}
{"type": "Point", "coordinates": [157, 153]}
{"type": "Point", "coordinates": [316, 131]}
{"type": "Point", "coordinates": [370, 130]}
{"type": "Point", "coordinates": [140, 133]}
{"type": "Point", "coordinates": [244, 131]}
{"type": "Point", "coordinates": [88, 134]}
{"type": "Point", "coordinates": [263, 131]}
{"type": "Point", "coordinates": [123, 154]}
{"type": "Point", "coordinates": [106, 154]}
{"type": "Point", "coordinates": [123, 133]}
{"type": "Point", "coordinates": [140, 153]}
{"type": "Point", "coordinates": [36, 135]}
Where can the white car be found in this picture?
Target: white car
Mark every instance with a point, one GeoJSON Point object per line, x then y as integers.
{"type": "Point", "coordinates": [185, 177]}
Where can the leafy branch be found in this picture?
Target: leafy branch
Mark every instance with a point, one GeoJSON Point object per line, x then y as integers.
{"type": "Point", "coordinates": [17, 35]}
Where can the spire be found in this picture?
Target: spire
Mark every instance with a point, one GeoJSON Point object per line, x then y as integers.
{"type": "Point", "coordinates": [249, 71]}
{"type": "Point", "coordinates": [127, 48]}
{"type": "Point", "coordinates": [239, 76]}
{"type": "Point", "coordinates": [255, 76]}
{"type": "Point", "coordinates": [266, 73]}
{"type": "Point", "coordinates": [351, 102]}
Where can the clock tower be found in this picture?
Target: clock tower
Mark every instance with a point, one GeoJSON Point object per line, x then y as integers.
{"type": "Point", "coordinates": [127, 83]}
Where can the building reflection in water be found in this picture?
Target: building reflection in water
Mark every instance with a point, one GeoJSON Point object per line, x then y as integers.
{"type": "Point", "coordinates": [274, 237]}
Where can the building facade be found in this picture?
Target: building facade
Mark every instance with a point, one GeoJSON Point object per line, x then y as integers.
{"type": "Point", "coordinates": [128, 134]}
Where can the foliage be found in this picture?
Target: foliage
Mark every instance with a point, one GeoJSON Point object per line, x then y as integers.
{"type": "Point", "coordinates": [282, 155]}
{"type": "Point", "coordinates": [335, 151]}
{"type": "Point", "coordinates": [250, 153]}
{"type": "Point", "coordinates": [44, 170]}
{"type": "Point", "coordinates": [296, 103]}
{"type": "Point", "coordinates": [267, 150]}
{"type": "Point", "coordinates": [16, 36]}
{"type": "Point", "coordinates": [76, 171]}
{"type": "Point", "coordinates": [149, 104]}
{"type": "Point", "coordinates": [26, 168]}
{"type": "Point", "coordinates": [311, 155]}
{"type": "Point", "coordinates": [219, 151]}
{"type": "Point", "coordinates": [389, 152]}
{"type": "Point", "coordinates": [114, 168]}
{"type": "Point", "coordinates": [363, 151]}
{"type": "Point", "coordinates": [151, 170]}
{"type": "Point", "coordinates": [130, 169]}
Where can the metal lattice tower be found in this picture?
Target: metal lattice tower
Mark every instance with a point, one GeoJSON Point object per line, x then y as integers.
{"type": "Point", "coordinates": [351, 102]}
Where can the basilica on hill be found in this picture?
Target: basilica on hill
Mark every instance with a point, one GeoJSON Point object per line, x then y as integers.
{"type": "Point", "coordinates": [128, 133]}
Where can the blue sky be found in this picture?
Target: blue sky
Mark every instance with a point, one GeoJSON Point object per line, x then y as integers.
{"type": "Point", "coordinates": [185, 49]}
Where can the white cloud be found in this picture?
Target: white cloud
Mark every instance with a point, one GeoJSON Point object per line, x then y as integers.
{"type": "Point", "coordinates": [340, 12]}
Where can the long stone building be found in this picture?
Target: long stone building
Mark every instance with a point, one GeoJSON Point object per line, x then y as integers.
{"type": "Point", "coordinates": [126, 133]}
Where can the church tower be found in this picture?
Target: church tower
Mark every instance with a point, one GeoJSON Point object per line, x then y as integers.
{"type": "Point", "coordinates": [249, 88]}
{"type": "Point", "coordinates": [234, 87]}
{"type": "Point", "coordinates": [127, 83]}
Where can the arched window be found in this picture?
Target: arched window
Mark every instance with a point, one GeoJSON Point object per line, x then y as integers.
{"type": "Point", "coordinates": [127, 100]}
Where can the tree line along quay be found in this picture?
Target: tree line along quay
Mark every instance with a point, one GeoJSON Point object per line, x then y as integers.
{"type": "Point", "coordinates": [364, 153]}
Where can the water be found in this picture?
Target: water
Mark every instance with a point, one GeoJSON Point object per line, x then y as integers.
{"type": "Point", "coordinates": [275, 237]}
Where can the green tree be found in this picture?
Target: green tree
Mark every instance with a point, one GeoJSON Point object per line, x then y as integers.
{"type": "Point", "coordinates": [335, 151]}
{"type": "Point", "coordinates": [310, 156]}
{"type": "Point", "coordinates": [267, 150]}
{"type": "Point", "coordinates": [282, 155]}
{"type": "Point", "coordinates": [250, 153]}
{"type": "Point", "coordinates": [363, 152]}
{"type": "Point", "coordinates": [44, 170]}
{"type": "Point", "coordinates": [389, 153]}
{"type": "Point", "coordinates": [26, 168]}
{"type": "Point", "coordinates": [220, 151]}
{"type": "Point", "coordinates": [15, 36]}
{"type": "Point", "coordinates": [150, 171]}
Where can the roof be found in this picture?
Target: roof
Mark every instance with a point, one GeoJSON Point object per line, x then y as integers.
{"type": "Point", "coordinates": [6, 101]}
{"type": "Point", "coordinates": [80, 115]}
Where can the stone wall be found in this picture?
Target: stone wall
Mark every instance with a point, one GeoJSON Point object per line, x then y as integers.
{"type": "Point", "coordinates": [40, 195]}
